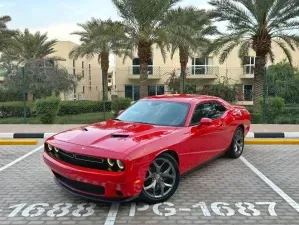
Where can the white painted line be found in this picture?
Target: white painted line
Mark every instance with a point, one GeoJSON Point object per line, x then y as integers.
{"type": "Point", "coordinates": [21, 158]}
{"type": "Point", "coordinates": [185, 209]}
{"type": "Point", "coordinates": [47, 135]}
{"type": "Point", "coordinates": [132, 209]}
{"type": "Point", "coordinates": [287, 198]}
{"type": "Point", "coordinates": [250, 135]}
{"type": "Point", "coordinates": [291, 134]}
{"type": "Point", "coordinates": [6, 135]}
{"type": "Point", "coordinates": [112, 214]}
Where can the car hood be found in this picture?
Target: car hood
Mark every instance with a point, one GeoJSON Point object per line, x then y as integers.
{"type": "Point", "coordinates": [114, 135]}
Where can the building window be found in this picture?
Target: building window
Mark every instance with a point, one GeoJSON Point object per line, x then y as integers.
{"type": "Point", "coordinates": [132, 92]}
{"type": "Point", "coordinates": [249, 63]}
{"type": "Point", "coordinates": [83, 89]}
{"type": "Point", "coordinates": [136, 67]}
{"type": "Point", "coordinates": [201, 65]}
{"type": "Point", "coordinates": [82, 68]}
{"type": "Point", "coordinates": [156, 90]}
{"type": "Point", "coordinates": [74, 63]}
{"type": "Point", "coordinates": [247, 92]}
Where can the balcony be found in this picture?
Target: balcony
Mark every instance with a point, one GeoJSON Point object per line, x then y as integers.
{"type": "Point", "coordinates": [248, 72]}
{"type": "Point", "coordinates": [153, 72]}
{"type": "Point", "coordinates": [202, 72]}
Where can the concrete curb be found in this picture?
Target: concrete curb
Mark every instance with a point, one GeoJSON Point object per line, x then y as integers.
{"type": "Point", "coordinates": [250, 135]}
{"type": "Point", "coordinates": [26, 135]}
{"type": "Point", "coordinates": [18, 142]}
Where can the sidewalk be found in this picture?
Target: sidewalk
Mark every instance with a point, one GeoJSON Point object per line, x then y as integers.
{"type": "Point", "coordinates": [21, 128]}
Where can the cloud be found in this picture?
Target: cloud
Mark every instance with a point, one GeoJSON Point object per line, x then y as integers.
{"type": "Point", "coordinates": [61, 32]}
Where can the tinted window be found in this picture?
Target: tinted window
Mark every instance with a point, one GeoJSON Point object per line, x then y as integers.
{"type": "Point", "coordinates": [204, 110]}
{"type": "Point", "coordinates": [218, 109]}
{"type": "Point", "coordinates": [157, 113]}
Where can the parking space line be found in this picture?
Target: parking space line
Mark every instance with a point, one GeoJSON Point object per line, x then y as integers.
{"type": "Point", "coordinates": [21, 158]}
{"type": "Point", "coordinates": [132, 209]}
{"type": "Point", "coordinates": [112, 214]}
{"type": "Point", "coordinates": [287, 198]}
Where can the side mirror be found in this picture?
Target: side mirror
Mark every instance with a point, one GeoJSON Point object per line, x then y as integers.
{"type": "Point", "coordinates": [120, 112]}
{"type": "Point", "coordinates": [205, 122]}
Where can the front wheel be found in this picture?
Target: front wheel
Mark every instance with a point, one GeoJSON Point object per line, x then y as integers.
{"type": "Point", "coordinates": [237, 144]}
{"type": "Point", "coordinates": [161, 181]}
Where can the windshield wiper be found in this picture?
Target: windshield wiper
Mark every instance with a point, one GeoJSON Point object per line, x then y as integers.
{"type": "Point", "coordinates": [117, 119]}
{"type": "Point", "coordinates": [143, 123]}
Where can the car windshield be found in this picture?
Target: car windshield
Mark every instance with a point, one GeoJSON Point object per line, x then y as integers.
{"type": "Point", "coordinates": [155, 112]}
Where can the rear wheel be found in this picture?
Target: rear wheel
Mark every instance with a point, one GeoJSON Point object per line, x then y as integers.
{"type": "Point", "coordinates": [237, 144]}
{"type": "Point", "coordinates": [161, 181]}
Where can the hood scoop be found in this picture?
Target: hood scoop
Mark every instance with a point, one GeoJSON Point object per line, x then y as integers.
{"type": "Point", "coordinates": [119, 136]}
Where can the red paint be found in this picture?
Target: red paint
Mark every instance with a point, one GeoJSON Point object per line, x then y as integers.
{"type": "Point", "coordinates": [192, 144]}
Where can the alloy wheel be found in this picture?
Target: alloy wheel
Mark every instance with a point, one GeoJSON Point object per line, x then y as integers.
{"type": "Point", "coordinates": [160, 178]}
{"type": "Point", "coordinates": [239, 142]}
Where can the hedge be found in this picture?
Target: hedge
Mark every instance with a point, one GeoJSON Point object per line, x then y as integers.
{"type": "Point", "coordinates": [47, 109]}
{"type": "Point", "coordinates": [15, 109]}
{"type": "Point", "coordinates": [79, 107]}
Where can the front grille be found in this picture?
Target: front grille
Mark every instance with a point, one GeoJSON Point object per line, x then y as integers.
{"type": "Point", "coordinates": [80, 160]}
{"type": "Point", "coordinates": [80, 186]}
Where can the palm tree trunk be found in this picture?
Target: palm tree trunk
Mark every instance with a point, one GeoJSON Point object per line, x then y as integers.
{"type": "Point", "coordinates": [184, 62]}
{"type": "Point", "coordinates": [105, 68]}
{"type": "Point", "coordinates": [144, 54]}
{"type": "Point", "coordinates": [259, 76]}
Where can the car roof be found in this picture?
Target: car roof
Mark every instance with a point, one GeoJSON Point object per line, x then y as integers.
{"type": "Point", "coordinates": [186, 98]}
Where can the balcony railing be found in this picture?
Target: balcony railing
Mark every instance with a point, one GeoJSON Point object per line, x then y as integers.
{"type": "Point", "coordinates": [153, 72]}
{"type": "Point", "coordinates": [203, 71]}
{"type": "Point", "coordinates": [248, 71]}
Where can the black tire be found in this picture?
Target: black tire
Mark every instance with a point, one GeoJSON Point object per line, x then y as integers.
{"type": "Point", "coordinates": [168, 159]}
{"type": "Point", "coordinates": [237, 145]}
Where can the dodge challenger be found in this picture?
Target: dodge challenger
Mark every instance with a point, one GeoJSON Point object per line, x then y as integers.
{"type": "Point", "coordinates": [144, 150]}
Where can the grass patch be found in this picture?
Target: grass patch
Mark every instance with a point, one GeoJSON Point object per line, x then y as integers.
{"type": "Point", "coordinates": [86, 118]}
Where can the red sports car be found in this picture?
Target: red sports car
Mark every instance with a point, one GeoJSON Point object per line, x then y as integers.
{"type": "Point", "coordinates": [143, 151]}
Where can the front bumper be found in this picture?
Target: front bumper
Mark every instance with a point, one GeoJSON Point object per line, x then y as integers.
{"type": "Point", "coordinates": [95, 184]}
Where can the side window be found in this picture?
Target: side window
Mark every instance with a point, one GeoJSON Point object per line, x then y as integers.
{"type": "Point", "coordinates": [218, 109]}
{"type": "Point", "coordinates": [203, 110]}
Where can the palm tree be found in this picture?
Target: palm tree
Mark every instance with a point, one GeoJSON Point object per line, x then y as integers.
{"type": "Point", "coordinates": [187, 31]}
{"type": "Point", "coordinates": [5, 33]}
{"type": "Point", "coordinates": [257, 25]}
{"type": "Point", "coordinates": [143, 20]}
{"type": "Point", "coordinates": [99, 37]}
{"type": "Point", "coordinates": [26, 47]}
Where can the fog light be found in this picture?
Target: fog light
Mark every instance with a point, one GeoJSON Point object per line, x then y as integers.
{"type": "Point", "coordinates": [120, 164]}
{"type": "Point", "coordinates": [111, 162]}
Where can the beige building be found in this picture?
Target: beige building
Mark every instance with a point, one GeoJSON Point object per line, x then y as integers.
{"type": "Point", "coordinates": [201, 72]}
{"type": "Point", "coordinates": [90, 86]}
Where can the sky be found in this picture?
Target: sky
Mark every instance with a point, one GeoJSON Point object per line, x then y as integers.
{"type": "Point", "coordinates": [59, 18]}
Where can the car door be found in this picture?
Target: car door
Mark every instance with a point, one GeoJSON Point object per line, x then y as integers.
{"type": "Point", "coordinates": [221, 125]}
{"type": "Point", "coordinates": [204, 141]}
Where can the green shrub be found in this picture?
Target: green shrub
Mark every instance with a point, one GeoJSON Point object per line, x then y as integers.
{"type": "Point", "coordinates": [256, 118]}
{"type": "Point", "coordinates": [15, 109]}
{"type": "Point", "coordinates": [275, 107]}
{"type": "Point", "coordinates": [8, 96]}
{"type": "Point", "coordinates": [286, 119]}
{"type": "Point", "coordinates": [224, 91]}
{"type": "Point", "coordinates": [47, 109]}
{"type": "Point", "coordinates": [79, 107]}
{"type": "Point", "coordinates": [120, 104]}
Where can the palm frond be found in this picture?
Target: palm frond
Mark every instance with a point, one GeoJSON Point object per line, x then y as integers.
{"type": "Point", "coordinates": [286, 51]}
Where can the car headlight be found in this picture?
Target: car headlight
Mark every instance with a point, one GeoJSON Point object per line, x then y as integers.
{"type": "Point", "coordinates": [56, 149]}
{"type": "Point", "coordinates": [120, 164]}
{"type": "Point", "coordinates": [111, 162]}
{"type": "Point", "coordinates": [50, 147]}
